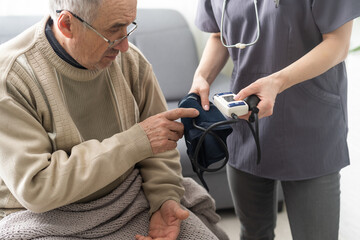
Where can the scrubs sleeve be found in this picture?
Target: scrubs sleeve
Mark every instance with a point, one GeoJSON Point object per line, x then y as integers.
{"type": "Point", "coordinates": [330, 15]}
{"type": "Point", "coordinates": [205, 19]}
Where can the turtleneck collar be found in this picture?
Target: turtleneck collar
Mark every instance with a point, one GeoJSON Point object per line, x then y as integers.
{"type": "Point", "coordinates": [59, 50]}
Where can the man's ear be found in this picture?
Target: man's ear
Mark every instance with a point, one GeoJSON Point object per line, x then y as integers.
{"type": "Point", "coordinates": [64, 24]}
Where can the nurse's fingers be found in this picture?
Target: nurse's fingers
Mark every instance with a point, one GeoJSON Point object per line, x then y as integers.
{"type": "Point", "coordinates": [266, 108]}
{"type": "Point", "coordinates": [201, 87]}
{"type": "Point", "coordinates": [247, 91]}
{"type": "Point", "coordinates": [204, 96]}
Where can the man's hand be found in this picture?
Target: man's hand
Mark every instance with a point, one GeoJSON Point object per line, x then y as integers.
{"type": "Point", "coordinates": [162, 129]}
{"type": "Point", "coordinates": [165, 223]}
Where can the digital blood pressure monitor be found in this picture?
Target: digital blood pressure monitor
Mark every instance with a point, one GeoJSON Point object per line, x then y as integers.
{"type": "Point", "coordinates": [228, 106]}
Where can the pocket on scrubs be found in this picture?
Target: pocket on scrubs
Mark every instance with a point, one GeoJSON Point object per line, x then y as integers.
{"type": "Point", "coordinates": [328, 87]}
{"type": "Point", "coordinates": [315, 92]}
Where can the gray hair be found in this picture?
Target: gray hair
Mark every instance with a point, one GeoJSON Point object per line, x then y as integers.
{"type": "Point", "coordinates": [86, 9]}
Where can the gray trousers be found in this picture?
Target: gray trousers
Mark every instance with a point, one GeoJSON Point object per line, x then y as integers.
{"type": "Point", "coordinates": [313, 206]}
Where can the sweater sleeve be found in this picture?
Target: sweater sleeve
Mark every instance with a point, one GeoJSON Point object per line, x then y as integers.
{"type": "Point", "coordinates": [42, 180]}
{"type": "Point", "coordinates": [161, 173]}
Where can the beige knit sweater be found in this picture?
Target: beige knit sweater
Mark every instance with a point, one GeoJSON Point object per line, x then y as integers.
{"type": "Point", "coordinates": [44, 161]}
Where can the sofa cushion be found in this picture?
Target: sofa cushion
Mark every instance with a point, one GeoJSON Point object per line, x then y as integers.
{"type": "Point", "coordinates": [12, 26]}
{"type": "Point", "coordinates": [168, 44]}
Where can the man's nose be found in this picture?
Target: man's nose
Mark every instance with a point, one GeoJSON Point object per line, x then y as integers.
{"type": "Point", "coordinates": [122, 46]}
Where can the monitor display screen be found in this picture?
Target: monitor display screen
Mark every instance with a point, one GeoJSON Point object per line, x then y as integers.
{"type": "Point", "coordinates": [229, 98]}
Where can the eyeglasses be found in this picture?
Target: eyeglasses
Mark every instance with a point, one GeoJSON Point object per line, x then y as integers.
{"type": "Point", "coordinates": [130, 29]}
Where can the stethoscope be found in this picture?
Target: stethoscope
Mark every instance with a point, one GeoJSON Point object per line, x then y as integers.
{"type": "Point", "coordinates": [243, 45]}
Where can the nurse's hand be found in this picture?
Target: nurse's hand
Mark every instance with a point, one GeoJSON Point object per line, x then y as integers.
{"type": "Point", "coordinates": [201, 87]}
{"type": "Point", "coordinates": [266, 89]}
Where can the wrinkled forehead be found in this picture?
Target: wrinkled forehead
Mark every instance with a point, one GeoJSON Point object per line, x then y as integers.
{"type": "Point", "coordinates": [116, 12]}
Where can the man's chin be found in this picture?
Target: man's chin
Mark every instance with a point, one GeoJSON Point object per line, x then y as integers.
{"type": "Point", "coordinates": [103, 64]}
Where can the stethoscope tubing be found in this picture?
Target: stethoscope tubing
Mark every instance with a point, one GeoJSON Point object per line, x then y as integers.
{"type": "Point", "coordinates": [239, 45]}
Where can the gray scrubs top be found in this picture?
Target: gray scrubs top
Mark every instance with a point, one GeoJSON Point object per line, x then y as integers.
{"type": "Point", "coordinates": [306, 135]}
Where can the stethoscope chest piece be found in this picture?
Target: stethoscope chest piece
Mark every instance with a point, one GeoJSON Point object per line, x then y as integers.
{"type": "Point", "coordinates": [277, 2]}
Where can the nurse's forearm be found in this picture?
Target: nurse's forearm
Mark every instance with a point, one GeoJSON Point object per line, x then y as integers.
{"type": "Point", "coordinates": [331, 51]}
{"type": "Point", "coordinates": [213, 59]}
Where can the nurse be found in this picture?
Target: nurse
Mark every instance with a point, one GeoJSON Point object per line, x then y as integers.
{"type": "Point", "coordinates": [293, 61]}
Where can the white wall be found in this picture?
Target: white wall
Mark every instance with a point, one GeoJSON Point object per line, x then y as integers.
{"type": "Point", "coordinates": [350, 211]}
{"type": "Point", "coordinates": [350, 188]}
{"type": "Point", "coordinates": [23, 7]}
{"type": "Point", "coordinates": [350, 182]}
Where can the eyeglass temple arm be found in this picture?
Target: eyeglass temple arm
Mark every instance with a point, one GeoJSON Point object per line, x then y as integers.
{"type": "Point", "coordinates": [86, 24]}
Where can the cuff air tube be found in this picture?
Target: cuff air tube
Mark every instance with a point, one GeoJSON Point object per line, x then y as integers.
{"type": "Point", "coordinates": [205, 135]}
{"type": "Point", "coordinates": [205, 149]}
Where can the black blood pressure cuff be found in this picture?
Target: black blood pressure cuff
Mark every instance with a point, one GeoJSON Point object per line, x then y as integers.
{"type": "Point", "coordinates": [211, 150]}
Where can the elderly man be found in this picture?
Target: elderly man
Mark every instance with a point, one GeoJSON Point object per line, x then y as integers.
{"type": "Point", "coordinates": [81, 112]}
